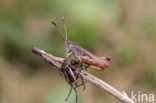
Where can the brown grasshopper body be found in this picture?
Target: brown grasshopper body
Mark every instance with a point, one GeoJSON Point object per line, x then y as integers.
{"type": "Point", "coordinates": [96, 63]}
{"type": "Point", "coordinates": [84, 56]}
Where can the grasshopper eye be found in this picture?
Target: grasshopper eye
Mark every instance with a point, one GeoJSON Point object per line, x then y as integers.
{"type": "Point", "coordinates": [106, 58]}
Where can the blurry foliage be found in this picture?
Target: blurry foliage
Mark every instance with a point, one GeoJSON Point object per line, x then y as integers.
{"type": "Point", "coordinates": [122, 29]}
{"type": "Point", "coordinates": [148, 77]}
{"type": "Point", "coordinates": [148, 28]}
{"type": "Point", "coordinates": [128, 55]}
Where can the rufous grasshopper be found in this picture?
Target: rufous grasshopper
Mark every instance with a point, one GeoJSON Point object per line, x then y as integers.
{"type": "Point", "coordinates": [84, 56]}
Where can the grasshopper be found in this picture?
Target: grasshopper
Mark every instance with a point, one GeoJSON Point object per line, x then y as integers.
{"type": "Point", "coordinates": [85, 57]}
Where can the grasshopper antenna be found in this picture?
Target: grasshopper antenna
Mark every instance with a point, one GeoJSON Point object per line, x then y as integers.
{"type": "Point", "coordinates": [65, 29]}
{"type": "Point", "coordinates": [58, 29]}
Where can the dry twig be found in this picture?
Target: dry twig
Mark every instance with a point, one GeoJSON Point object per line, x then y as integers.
{"type": "Point", "coordinates": [57, 62]}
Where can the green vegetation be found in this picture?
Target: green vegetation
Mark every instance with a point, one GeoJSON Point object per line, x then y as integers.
{"type": "Point", "coordinates": [124, 30]}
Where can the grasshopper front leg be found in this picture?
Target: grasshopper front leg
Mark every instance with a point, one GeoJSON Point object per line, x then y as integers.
{"type": "Point", "coordinates": [68, 56]}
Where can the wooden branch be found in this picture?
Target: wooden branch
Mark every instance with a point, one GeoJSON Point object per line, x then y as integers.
{"type": "Point", "coordinates": [57, 62]}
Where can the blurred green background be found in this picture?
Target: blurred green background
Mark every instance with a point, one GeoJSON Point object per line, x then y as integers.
{"type": "Point", "coordinates": [122, 29]}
